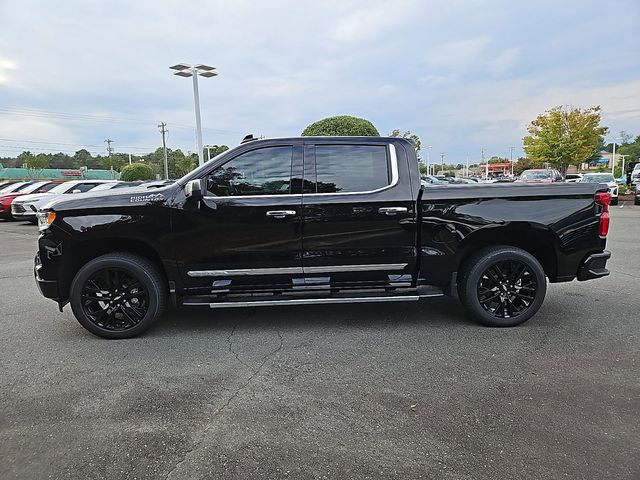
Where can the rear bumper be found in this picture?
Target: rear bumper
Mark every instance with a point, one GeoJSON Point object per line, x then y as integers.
{"type": "Point", "coordinates": [594, 266]}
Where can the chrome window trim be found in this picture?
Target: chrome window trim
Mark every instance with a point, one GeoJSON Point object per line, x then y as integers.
{"type": "Point", "coordinates": [393, 157]}
{"type": "Point", "coordinates": [279, 195]}
{"type": "Point", "coordinates": [297, 270]}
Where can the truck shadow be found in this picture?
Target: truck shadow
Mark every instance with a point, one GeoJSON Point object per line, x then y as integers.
{"type": "Point", "coordinates": [429, 312]}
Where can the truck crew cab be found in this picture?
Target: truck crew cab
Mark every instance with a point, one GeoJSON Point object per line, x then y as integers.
{"type": "Point", "coordinates": [298, 221]}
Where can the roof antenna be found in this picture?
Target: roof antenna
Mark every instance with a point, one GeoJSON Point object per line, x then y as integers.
{"type": "Point", "coordinates": [248, 138]}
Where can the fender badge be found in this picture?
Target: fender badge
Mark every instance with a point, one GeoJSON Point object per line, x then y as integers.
{"type": "Point", "coordinates": [153, 197]}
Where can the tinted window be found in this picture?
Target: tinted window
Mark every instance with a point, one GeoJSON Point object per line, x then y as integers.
{"type": "Point", "coordinates": [351, 168]}
{"type": "Point", "coordinates": [266, 171]}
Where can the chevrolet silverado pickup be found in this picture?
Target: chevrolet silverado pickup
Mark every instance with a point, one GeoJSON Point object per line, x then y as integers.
{"type": "Point", "coordinates": [299, 221]}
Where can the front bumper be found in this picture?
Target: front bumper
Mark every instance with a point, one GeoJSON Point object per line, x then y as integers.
{"type": "Point", "coordinates": [594, 266]}
{"type": "Point", "coordinates": [20, 210]}
{"type": "Point", "coordinates": [48, 288]}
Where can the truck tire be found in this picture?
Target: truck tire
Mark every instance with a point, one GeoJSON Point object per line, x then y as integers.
{"type": "Point", "coordinates": [502, 286]}
{"type": "Point", "coordinates": [118, 295]}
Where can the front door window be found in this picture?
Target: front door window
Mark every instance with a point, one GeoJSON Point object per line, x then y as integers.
{"type": "Point", "coordinates": [265, 171]}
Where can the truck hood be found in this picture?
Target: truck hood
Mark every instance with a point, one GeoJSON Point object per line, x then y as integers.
{"type": "Point", "coordinates": [125, 197]}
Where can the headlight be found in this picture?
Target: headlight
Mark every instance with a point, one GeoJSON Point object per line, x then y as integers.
{"type": "Point", "coordinates": [45, 219]}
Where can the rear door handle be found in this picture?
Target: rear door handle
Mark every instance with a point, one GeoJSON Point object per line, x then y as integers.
{"type": "Point", "coordinates": [280, 213]}
{"type": "Point", "coordinates": [392, 210]}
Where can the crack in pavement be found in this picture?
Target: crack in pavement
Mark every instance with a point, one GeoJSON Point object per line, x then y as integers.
{"type": "Point", "coordinates": [226, 404]}
{"type": "Point", "coordinates": [230, 342]}
{"type": "Point", "coordinates": [624, 273]}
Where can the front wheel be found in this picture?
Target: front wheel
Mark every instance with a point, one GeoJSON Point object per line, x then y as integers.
{"type": "Point", "coordinates": [118, 295]}
{"type": "Point", "coordinates": [502, 286]}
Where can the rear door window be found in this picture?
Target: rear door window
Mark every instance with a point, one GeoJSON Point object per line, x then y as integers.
{"type": "Point", "coordinates": [351, 168]}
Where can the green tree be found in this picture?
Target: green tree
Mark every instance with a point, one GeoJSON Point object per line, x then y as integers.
{"type": "Point", "coordinates": [631, 150]}
{"type": "Point", "coordinates": [564, 136]}
{"type": "Point", "coordinates": [341, 125]}
{"type": "Point", "coordinates": [411, 136]}
{"type": "Point", "coordinates": [115, 161]}
{"type": "Point", "coordinates": [39, 162]}
{"type": "Point", "coordinates": [137, 171]}
{"type": "Point", "coordinates": [82, 158]}
{"type": "Point", "coordinates": [214, 151]}
{"type": "Point", "coordinates": [25, 158]}
{"type": "Point", "coordinates": [523, 164]}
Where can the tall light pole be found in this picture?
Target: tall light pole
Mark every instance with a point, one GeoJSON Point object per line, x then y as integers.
{"type": "Point", "coordinates": [486, 166]}
{"type": "Point", "coordinates": [511, 149]}
{"type": "Point", "coordinates": [613, 157]}
{"type": "Point", "coordinates": [186, 70]}
{"type": "Point", "coordinates": [429, 147]}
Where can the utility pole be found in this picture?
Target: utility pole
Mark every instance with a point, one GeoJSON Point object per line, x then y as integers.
{"type": "Point", "coordinates": [108, 141]}
{"type": "Point", "coordinates": [129, 159]}
{"type": "Point", "coordinates": [442, 162]}
{"type": "Point", "coordinates": [163, 129]}
{"type": "Point", "coordinates": [467, 175]}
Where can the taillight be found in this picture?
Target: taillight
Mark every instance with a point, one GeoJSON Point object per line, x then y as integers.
{"type": "Point", "coordinates": [603, 199]}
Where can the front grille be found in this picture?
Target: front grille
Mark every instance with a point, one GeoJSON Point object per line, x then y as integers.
{"type": "Point", "coordinates": [17, 208]}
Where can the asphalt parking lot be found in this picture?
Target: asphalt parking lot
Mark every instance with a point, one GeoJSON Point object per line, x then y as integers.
{"type": "Point", "coordinates": [356, 391]}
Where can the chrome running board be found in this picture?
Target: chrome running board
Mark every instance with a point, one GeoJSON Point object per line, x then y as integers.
{"type": "Point", "coordinates": [280, 300]}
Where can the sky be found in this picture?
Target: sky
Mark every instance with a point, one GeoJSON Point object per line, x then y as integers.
{"type": "Point", "coordinates": [464, 75]}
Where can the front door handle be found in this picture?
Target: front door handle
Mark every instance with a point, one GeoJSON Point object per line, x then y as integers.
{"type": "Point", "coordinates": [392, 210]}
{"type": "Point", "coordinates": [280, 213]}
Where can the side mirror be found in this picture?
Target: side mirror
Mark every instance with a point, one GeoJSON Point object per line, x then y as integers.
{"type": "Point", "coordinates": [193, 190]}
{"type": "Point", "coordinates": [76, 191]}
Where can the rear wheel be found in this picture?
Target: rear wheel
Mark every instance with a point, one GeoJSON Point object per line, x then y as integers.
{"type": "Point", "coordinates": [502, 286]}
{"type": "Point", "coordinates": [614, 200]}
{"type": "Point", "coordinates": [118, 295]}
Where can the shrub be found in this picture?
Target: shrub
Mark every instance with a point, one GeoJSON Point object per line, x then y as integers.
{"type": "Point", "coordinates": [341, 125]}
{"type": "Point", "coordinates": [137, 171]}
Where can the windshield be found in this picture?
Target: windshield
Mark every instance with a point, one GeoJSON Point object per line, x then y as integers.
{"type": "Point", "coordinates": [535, 175]}
{"type": "Point", "coordinates": [13, 187]}
{"type": "Point", "coordinates": [600, 178]}
{"type": "Point", "coordinates": [32, 188]}
{"type": "Point", "coordinates": [63, 187]}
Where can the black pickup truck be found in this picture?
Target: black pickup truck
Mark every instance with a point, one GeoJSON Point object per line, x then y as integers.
{"type": "Point", "coordinates": [299, 221]}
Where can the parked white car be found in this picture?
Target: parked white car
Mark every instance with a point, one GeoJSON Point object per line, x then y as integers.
{"type": "Point", "coordinates": [25, 207]}
{"type": "Point", "coordinates": [635, 174]}
{"type": "Point", "coordinates": [572, 177]}
{"type": "Point", "coordinates": [603, 178]}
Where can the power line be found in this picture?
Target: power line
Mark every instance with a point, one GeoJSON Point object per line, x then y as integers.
{"type": "Point", "coordinates": [34, 113]}
{"type": "Point", "coordinates": [71, 144]}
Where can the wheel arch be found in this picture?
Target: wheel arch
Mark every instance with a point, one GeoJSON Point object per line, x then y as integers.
{"type": "Point", "coordinates": [87, 250]}
{"type": "Point", "coordinates": [538, 240]}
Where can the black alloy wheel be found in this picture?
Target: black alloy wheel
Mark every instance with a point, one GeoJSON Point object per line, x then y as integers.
{"type": "Point", "coordinates": [118, 295]}
{"type": "Point", "coordinates": [502, 286]}
{"type": "Point", "coordinates": [507, 289]}
{"type": "Point", "coordinates": [114, 299]}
